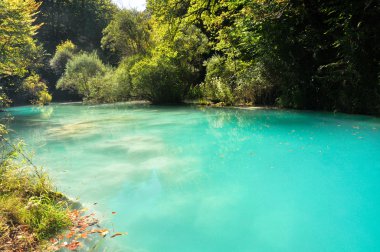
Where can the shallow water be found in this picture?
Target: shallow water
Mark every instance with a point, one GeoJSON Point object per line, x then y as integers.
{"type": "Point", "coordinates": [203, 179]}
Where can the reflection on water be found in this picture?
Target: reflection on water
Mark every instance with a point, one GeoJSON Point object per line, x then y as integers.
{"type": "Point", "coordinates": [203, 179]}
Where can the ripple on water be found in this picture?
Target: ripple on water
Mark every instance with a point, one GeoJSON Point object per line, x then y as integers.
{"type": "Point", "coordinates": [201, 179]}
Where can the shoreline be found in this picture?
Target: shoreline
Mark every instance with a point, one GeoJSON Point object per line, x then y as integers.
{"type": "Point", "coordinates": [190, 103]}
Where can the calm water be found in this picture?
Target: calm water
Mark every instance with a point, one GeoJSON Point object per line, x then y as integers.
{"type": "Point", "coordinates": [202, 179]}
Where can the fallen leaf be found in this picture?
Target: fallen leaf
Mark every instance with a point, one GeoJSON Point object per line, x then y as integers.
{"type": "Point", "coordinates": [54, 241]}
{"type": "Point", "coordinates": [73, 245]}
{"type": "Point", "coordinates": [69, 235]}
{"type": "Point", "coordinates": [118, 234]}
{"type": "Point", "coordinates": [100, 231]}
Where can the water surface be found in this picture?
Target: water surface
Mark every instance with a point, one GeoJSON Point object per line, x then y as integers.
{"type": "Point", "coordinates": [204, 179]}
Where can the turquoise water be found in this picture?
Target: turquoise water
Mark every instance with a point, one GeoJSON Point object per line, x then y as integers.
{"type": "Point", "coordinates": [204, 179]}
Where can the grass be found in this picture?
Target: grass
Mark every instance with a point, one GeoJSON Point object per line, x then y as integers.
{"type": "Point", "coordinates": [31, 211]}
{"type": "Point", "coordinates": [33, 215]}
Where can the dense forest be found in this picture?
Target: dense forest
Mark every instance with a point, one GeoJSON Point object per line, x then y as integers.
{"type": "Point", "coordinates": [321, 55]}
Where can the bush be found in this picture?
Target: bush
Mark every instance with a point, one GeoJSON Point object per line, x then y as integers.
{"type": "Point", "coordinates": [252, 86]}
{"type": "Point", "coordinates": [122, 76]}
{"type": "Point", "coordinates": [44, 98]}
{"type": "Point", "coordinates": [36, 90]}
{"type": "Point", "coordinates": [217, 67]}
{"type": "Point", "coordinates": [216, 90]}
{"type": "Point", "coordinates": [159, 80]}
{"type": "Point", "coordinates": [234, 82]}
{"type": "Point", "coordinates": [98, 83]}
{"type": "Point", "coordinates": [63, 54]}
{"type": "Point", "coordinates": [115, 85]}
{"type": "Point", "coordinates": [103, 89]}
{"type": "Point", "coordinates": [4, 100]}
{"type": "Point", "coordinates": [80, 73]}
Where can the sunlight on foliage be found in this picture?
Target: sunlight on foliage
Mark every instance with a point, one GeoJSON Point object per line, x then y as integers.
{"type": "Point", "coordinates": [36, 89]}
{"type": "Point", "coordinates": [17, 30]}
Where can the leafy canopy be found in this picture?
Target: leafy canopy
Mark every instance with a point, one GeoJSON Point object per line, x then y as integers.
{"type": "Point", "coordinates": [18, 47]}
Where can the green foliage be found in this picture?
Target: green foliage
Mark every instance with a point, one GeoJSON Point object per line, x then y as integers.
{"type": "Point", "coordinates": [252, 86]}
{"type": "Point", "coordinates": [86, 75]}
{"type": "Point", "coordinates": [313, 54]}
{"type": "Point", "coordinates": [36, 90]}
{"type": "Point", "coordinates": [127, 34]}
{"type": "Point", "coordinates": [46, 219]}
{"type": "Point", "coordinates": [20, 53]}
{"type": "Point", "coordinates": [159, 80]}
{"type": "Point", "coordinates": [81, 22]}
{"type": "Point", "coordinates": [18, 48]}
{"type": "Point", "coordinates": [216, 67]}
{"type": "Point", "coordinates": [103, 88]}
{"type": "Point", "coordinates": [190, 45]}
{"type": "Point", "coordinates": [165, 71]}
{"type": "Point", "coordinates": [234, 82]}
{"type": "Point", "coordinates": [4, 100]}
{"type": "Point", "coordinates": [26, 195]}
{"type": "Point", "coordinates": [126, 90]}
{"type": "Point", "coordinates": [44, 98]}
{"type": "Point", "coordinates": [63, 53]}
{"type": "Point", "coordinates": [217, 91]}
{"type": "Point", "coordinates": [46, 216]}
{"type": "Point", "coordinates": [80, 72]}
{"type": "Point", "coordinates": [218, 85]}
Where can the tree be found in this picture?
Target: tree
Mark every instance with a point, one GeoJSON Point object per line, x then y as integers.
{"type": "Point", "coordinates": [18, 48]}
{"type": "Point", "coordinates": [20, 53]}
{"type": "Point", "coordinates": [127, 34]}
{"type": "Point", "coordinates": [315, 54]}
{"type": "Point", "coordinates": [64, 52]}
{"type": "Point", "coordinates": [80, 21]}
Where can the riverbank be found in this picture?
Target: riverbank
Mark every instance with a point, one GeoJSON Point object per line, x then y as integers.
{"type": "Point", "coordinates": [208, 104]}
{"type": "Point", "coordinates": [31, 211]}
{"type": "Point", "coordinates": [33, 214]}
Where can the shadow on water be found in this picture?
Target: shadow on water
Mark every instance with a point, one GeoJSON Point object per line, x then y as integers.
{"type": "Point", "coordinates": [229, 178]}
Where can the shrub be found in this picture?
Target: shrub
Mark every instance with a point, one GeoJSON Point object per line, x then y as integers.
{"type": "Point", "coordinates": [103, 89]}
{"type": "Point", "coordinates": [122, 76]}
{"type": "Point", "coordinates": [44, 98]}
{"type": "Point", "coordinates": [216, 67]}
{"type": "Point", "coordinates": [80, 72]}
{"type": "Point", "coordinates": [159, 80]}
{"type": "Point", "coordinates": [4, 100]}
{"type": "Point", "coordinates": [63, 54]}
{"type": "Point", "coordinates": [234, 82]}
{"type": "Point", "coordinates": [216, 90]}
{"type": "Point", "coordinates": [36, 90]}
{"type": "Point", "coordinates": [252, 86]}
